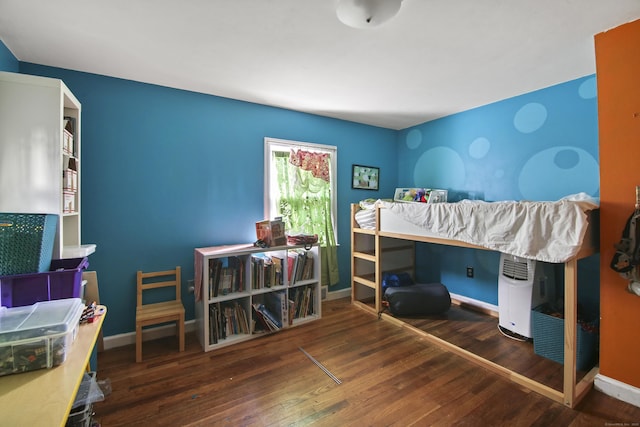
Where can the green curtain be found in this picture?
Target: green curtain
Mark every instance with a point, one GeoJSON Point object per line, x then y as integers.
{"type": "Point", "coordinates": [305, 207]}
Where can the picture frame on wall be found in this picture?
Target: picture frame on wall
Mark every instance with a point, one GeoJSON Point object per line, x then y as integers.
{"type": "Point", "coordinates": [365, 177]}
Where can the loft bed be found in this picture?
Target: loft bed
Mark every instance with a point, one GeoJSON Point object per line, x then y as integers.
{"type": "Point", "coordinates": [562, 232]}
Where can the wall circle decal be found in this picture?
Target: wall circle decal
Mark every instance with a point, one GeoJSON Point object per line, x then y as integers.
{"type": "Point", "coordinates": [414, 139]}
{"type": "Point", "coordinates": [566, 159]}
{"type": "Point", "coordinates": [439, 167]}
{"type": "Point", "coordinates": [479, 148]}
{"type": "Point", "coordinates": [588, 89]}
{"type": "Point", "coordinates": [557, 172]}
{"type": "Point", "coordinates": [530, 117]}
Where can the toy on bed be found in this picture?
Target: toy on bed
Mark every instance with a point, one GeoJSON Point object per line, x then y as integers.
{"type": "Point", "coordinates": [420, 195]}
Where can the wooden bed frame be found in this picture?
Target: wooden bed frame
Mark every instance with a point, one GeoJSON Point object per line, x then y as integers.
{"type": "Point", "coordinates": [376, 250]}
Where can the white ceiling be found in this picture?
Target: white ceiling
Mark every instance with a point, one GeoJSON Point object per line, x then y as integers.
{"type": "Point", "coordinates": [435, 58]}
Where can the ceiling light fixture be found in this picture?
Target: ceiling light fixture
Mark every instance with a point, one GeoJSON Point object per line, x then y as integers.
{"type": "Point", "coordinates": [367, 13]}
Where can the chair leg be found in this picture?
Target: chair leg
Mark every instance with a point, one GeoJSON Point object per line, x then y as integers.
{"type": "Point", "coordinates": [181, 332]}
{"type": "Point", "coordinates": [138, 343]}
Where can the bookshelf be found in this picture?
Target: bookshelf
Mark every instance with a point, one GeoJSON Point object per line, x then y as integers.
{"type": "Point", "coordinates": [246, 292]}
{"type": "Point", "coordinates": [40, 155]}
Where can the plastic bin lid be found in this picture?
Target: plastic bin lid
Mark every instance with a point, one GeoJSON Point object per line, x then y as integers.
{"type": "Point", "coordinates": [40, 319]}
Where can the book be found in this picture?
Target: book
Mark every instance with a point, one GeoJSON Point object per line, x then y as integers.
{"type": "Point", "coordinates": [244, 323]}
{"type": "Point", "coordinates": [307, 270]}
{"type": "Point", "coordinates": [292, 310]}
{"type": "Point", "coordinates": [213, 326]}
{"type": "Point", "coordinates": [261, 324]}
{"type": "Point", "coordinates": [300, 261]}
{"type": "Point", "coordinates": [291, 262]}
{"type": "Point", "coordinates": [236, 265]}
{"type": "Point", "coordinates": [276, 303]}
{"type": "Point", "coordinates": [278, 237]}
{"type": "Point", "coordinates": [271, 319]}
{"type": "Point", "coordinates": [226, 280]}
{"type": "Point", "coordinates": [215, 269]}
{"type": "Point", "coordinates": [263, 232]}
{"type": "Point", "coordinates": [277, 270]}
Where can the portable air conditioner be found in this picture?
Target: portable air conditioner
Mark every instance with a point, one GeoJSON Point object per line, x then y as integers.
{"type": "Point", "coordinates": [523, 284]}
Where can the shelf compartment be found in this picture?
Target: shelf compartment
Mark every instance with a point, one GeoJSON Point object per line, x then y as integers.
{"type": "Point", "coordinates": [229, 321]}
{"type": "Point", "coordinates": [303, 302]}
{"type": "Point", "coordinates": [226, 276]}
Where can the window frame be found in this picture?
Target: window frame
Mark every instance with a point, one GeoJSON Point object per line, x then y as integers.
{"type": "Point", "coordinates": [275, 144]}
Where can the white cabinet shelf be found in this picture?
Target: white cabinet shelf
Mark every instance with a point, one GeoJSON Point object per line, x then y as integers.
{"type": "Point", "coordinates": [37, 155]}
{"type": "Point", "coordinates": [245, 290]}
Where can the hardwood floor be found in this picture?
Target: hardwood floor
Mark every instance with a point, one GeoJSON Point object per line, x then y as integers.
{"type": "Point", "coordinates": [389, 376]}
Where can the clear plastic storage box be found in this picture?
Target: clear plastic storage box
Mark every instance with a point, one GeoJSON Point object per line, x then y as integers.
{"type": "Point", "coordinates": [38, 336]}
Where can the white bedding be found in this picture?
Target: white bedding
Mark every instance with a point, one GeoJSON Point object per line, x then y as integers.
{"type": "Point", "coordinates": [545, 231]}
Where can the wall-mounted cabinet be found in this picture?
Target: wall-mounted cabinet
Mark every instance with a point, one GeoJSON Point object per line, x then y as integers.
{"type": "Point", "coordinates": [40, 155]}
{"type": "Point", "coordinates": [246, 292]}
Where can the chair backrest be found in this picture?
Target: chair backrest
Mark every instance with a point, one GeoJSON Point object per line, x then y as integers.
{"type": "Point", "coordinates": [158, 279]}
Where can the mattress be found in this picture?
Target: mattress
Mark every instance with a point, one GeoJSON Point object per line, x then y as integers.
{"type": "Point", "coordinates": [546, 231]}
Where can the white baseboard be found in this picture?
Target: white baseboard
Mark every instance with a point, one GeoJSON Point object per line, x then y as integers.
{"type": "Point", "coordinates": [148, 334]}
{"type": "Point", "coordinates": [129, 338]}
{"type": "Point", "coordinates": [617, 389]}
{"type": "Point", "coordinates": [342, 293]}
{"type": "Point", "coordinates": [483, 306]}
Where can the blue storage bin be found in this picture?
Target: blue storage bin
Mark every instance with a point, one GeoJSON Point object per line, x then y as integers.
{"type": "Point", "coordinates": [548, 340]}
{"type": "Point", "coordinates": [26, 242]}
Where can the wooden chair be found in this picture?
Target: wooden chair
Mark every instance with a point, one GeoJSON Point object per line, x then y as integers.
{"type": "Point", "coordinates": [158, 312]}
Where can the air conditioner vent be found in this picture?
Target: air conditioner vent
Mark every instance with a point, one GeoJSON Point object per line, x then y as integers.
{"type": "Point", "coordinates": [514, 269]}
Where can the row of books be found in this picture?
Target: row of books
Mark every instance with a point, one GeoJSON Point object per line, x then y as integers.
{"type": "Point", "coordinates": [225, 320]}
{"type": "Point", "coordinates": [278, 309]}
{"type": "Point", "coordinates": [301, 304]}
{"type": "Point", "coordinates": [299, 265]}
{"type": "Point", "coordinates": [226, 275]}
{"type": "Point", "coordinates": [266, 271]}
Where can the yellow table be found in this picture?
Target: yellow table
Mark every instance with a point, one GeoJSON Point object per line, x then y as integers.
{"type": "Point", "coordinates": [44, 397]}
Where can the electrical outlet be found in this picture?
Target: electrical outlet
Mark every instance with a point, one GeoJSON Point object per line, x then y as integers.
{"type": "Point", "coordinates": [470, 272]}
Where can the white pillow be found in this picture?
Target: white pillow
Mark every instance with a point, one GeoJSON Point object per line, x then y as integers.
{"type": "Point", "coordinates": [366, 218]}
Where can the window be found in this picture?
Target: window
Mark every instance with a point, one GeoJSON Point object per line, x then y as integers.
{"type": "Point", "coordinates": [300, 186]}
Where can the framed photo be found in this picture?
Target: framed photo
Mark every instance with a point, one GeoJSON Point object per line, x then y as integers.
{"type": "Point", "coordinates": [365, 177]}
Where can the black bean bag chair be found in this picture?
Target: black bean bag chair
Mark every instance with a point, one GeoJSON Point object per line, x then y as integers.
{"type": "Point", "coordinates": [417, 299]}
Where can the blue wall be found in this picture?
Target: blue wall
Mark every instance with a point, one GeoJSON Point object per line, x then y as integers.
{"type": "Point", "coordinates": [8, 62]}
{"type": "Point", "coordinates": [542, 145]}
{"type": "Point", "coordinates": [165, 171]}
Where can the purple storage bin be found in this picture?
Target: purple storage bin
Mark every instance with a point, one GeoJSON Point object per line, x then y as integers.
{"type": "Point", "coordinates": [63, 280]}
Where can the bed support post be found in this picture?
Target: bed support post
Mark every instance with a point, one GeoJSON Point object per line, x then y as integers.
{"type": "Point", "coordinates": [570, 321]}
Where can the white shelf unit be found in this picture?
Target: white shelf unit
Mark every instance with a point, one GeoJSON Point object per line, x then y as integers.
{"type": "Point", "coordinates": [243, 289]}
{"type": "Point", "coordinates": [36, 155]}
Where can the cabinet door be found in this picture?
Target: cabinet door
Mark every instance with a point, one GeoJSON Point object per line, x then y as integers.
{"type": "Point", "coordinates": [30, 148]}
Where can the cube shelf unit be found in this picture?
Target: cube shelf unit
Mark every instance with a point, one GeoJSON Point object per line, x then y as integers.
{"type": "Point", "coordinates": [237, 280]}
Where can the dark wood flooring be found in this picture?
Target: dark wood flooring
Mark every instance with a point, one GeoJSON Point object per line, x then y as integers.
{"type": "Point", "coordinates": [389, 376]}
{"type": "Point", "coordinates": [479, 334]}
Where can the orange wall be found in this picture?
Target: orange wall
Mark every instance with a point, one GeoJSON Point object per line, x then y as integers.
{"type": "Point", "coordinates": [618, 77]}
